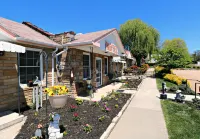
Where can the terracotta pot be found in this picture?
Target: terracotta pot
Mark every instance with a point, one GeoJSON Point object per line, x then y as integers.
{"type": "Point", "coordinates": [58, 101]}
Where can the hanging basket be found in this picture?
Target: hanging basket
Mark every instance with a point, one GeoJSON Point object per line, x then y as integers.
{"type": "Point", "coordinates": [58, 101]}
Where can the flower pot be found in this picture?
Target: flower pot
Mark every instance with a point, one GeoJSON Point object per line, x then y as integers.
{"type": "Point", "coordinates": [58, 101]}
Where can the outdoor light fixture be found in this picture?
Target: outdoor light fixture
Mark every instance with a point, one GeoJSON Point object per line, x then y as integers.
{"type": "Point", "coordinates": [2, 53]}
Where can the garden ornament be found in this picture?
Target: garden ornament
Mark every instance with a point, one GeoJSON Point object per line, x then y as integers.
{"type": "Point", "coordinates": [163, 95]}
{"type": "Point", "coordinates": [179, 97]}
{"type": "Point", "coordinates": [54, 129]}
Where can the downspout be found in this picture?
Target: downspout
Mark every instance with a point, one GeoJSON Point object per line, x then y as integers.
{"type": "Point", "coordinates": [53, 55]}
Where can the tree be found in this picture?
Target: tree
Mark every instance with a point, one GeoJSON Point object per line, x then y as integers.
{"type": "Point", "coordinates": [196, 56]}
{"type": "Point", "coordinates": [139, 54]}
{"type": "Point", "coordinates": [137, 34]}
{"type": "Point", "coordinates": [174, 54]}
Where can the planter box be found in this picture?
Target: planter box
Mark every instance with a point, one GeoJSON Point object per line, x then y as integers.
{"type": "Point", "coordinates": [58, 101]}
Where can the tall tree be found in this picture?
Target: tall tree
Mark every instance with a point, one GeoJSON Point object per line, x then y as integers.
{"type": "Point", "coordinates": [174, 53]}
{"type": "Point", "coordinates": [196, 56]}
{"type": "Point", "coordinates": [138, 35]}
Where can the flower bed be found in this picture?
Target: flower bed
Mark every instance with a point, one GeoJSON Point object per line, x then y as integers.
{"type": "Point", "coordinates": [131, 83]}
{"type": "Point", "coordinates": [81, 119]}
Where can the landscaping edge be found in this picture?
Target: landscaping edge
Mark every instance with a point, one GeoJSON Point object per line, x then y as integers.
{"type": "Point", "coordinates": [115, 120]}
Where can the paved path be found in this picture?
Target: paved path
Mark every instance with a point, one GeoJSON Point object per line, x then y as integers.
{"type": "Point", "coordinates": [143, 119]}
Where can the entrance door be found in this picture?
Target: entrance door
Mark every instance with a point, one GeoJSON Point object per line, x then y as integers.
{"type": "Point", "coordinates": [98, 72]}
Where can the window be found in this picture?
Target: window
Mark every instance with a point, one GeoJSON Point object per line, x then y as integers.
{"type": "Point", "coordinates": [86, 66]}
{"type": "Point", "coordinates": [29, 66]}
{"type": "Point", "coordinates": [106, 66]}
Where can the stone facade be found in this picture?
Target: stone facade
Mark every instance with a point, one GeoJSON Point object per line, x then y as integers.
{"type": "Point", "coordinates": [73, 62]}
{"type": "Point", "coordinates": [9, 82]}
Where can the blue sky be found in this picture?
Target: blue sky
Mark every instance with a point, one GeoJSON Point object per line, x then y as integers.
{"type": "Point", "coordinates": [173, 18]}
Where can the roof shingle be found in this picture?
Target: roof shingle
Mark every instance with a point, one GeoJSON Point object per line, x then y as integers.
{"type": "Point", "coordinates": [93, 36]}
{"type": "Point", "coordinates": [21, 30]}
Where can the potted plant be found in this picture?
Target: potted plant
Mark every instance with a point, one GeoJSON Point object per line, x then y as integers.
{"type": "Point", "coordinates": [57, 95]}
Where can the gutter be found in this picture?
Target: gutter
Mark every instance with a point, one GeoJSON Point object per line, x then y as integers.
{"type": "Point", "coordinates": [21, 39]}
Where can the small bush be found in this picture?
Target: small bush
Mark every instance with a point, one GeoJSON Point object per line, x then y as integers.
{"type": "Point", "coordinates": [175, 79]}
{"type": "Point", "coordinates": [161, 71]}
{"type": "Point", "coordinates": [173, 89]}
{"type": "Point", "coordinates": [186, 90]}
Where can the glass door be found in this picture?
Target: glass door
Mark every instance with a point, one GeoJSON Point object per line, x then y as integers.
{"type": "Point", "coordinates": [98, 72]}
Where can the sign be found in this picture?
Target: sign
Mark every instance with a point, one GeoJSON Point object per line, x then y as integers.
{"type": "Point", "coordinates": [111, 48]}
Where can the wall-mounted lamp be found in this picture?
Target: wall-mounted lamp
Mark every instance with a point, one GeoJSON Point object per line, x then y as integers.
{"type": "Point", "coordinates": [1, 53]}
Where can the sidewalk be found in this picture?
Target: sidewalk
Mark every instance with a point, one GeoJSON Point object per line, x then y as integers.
{"type": "Point", "coordinates": [143, 118]}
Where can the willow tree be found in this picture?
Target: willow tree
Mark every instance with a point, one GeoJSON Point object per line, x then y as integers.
{"type": "Point", "coordinates": [139, 36]}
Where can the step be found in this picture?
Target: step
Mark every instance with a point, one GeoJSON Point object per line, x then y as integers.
{"type": "Point", "coordinates": [9, 118]}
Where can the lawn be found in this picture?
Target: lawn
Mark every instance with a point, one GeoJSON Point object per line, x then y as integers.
{"type": "Point", "coordinates": [159, 83]}
{"type": "Point", "coordinates": [183, 122]}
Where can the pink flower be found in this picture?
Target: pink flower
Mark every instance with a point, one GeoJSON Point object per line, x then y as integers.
{"type": "Point", "coordinates": [75, 114]}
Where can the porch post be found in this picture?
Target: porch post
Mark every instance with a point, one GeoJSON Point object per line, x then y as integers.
{"type": "Point", "coordinates": [18, 70]}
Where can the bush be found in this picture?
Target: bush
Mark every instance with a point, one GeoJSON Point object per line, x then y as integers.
{"type": "Point", "coordinates": [174, 88]}
{"type": "Point", "coordinates": [186, 91]}
{"type": "Point", "coordinates": [161, 71]}
{"type": "Point", "coordinates": [175, 79]}
{"type": "Point", "coordinates": [134, 67]}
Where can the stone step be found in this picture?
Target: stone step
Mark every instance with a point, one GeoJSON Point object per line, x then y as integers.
{"type": "Point", "coordinates": [9, 118]}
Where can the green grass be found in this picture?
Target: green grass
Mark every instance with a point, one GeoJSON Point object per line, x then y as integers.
{"type": "Point", "coordinates": [159, 83]}
{"type": "Point", "coordinates": [183, 122]}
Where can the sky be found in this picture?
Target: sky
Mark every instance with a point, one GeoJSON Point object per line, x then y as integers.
{"type": "Point", "coordinates": [172, 18]}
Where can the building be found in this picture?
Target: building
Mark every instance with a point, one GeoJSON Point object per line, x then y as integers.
{"type": "Point", "coordinates": [79, 57]}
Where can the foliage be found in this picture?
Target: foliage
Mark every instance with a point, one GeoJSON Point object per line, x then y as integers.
{"type": "Point", "coordinates": [173, 54]}
{"type": "Point", "coordinates": [101, 118]}
{"type": "Point", "coordinates": [87, 128]}
{"type": "Point", "coordinates": [73, 108]}
{"type": "Point", "coordinates": [51, 115]}
{"type": "Point", "coordinates": [116, 106]}
{"type": "Point", "coordinates": [106, 108]}
{"type": "Point", "coordinates": [186, 90]}
{"type": "Point", "coordinates": [56, 90]}
{"type": "Point", "coordinates": [79, 101]}
{"type": "Point", "coordinates": [161, 71]}
{"type": "Point", "coordinates": [139, 53]}
{"type": "Point", "coordinates": [76, 117]}
{"type": "Point", "coordinates": [182, 120]}
{"type": "Point", "coordinates": [175, 79]}
{"type": "Point", "coordinates": [196, 56]}
{"type": "Point", "coordinates": [137, 34]}
{"type": "Point", "coordinates": [174, 88]}
{"type": "Point", "coordinates": [144, 68]}
{"type": "Point", "coordinates": [110, 76]}
{"type": "Point", "coordinates": [95, 104]}
{"type": "Point", "coordinates": [134, 67]}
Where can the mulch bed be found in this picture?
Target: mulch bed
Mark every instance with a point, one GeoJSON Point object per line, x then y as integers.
{"type": "Point", "coordinates": [132, 83]}
{"type": "Point", "coordinates": [88, 113]}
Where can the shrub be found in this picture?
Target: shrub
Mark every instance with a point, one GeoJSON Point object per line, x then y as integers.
{"type": "Point", "coordinates": [186, 90]}
{"type": "Point", "coordinates": [134, 67]}
{"type": "Point", "coordinates": [101, 118]}
{"type": "Point", "coordinates": [161, 71]}
{"type": "Point", "coordinates": [79, 101]}
{"type": "Point", "coordinates": [174, 88]}
{"type": "Point", "coordinates": [175, 79]}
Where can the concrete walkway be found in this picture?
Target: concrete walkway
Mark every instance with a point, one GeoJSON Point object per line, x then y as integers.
{"type": "Point", "coordinates": [143, 118]}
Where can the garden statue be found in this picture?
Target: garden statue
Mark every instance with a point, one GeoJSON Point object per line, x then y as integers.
{"type": "Point", "coordinates": [179, 97]}
{"type": "Point", "coordinates": [54, 129]}
{"type": "Point", "coordinates": [163, 95]}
